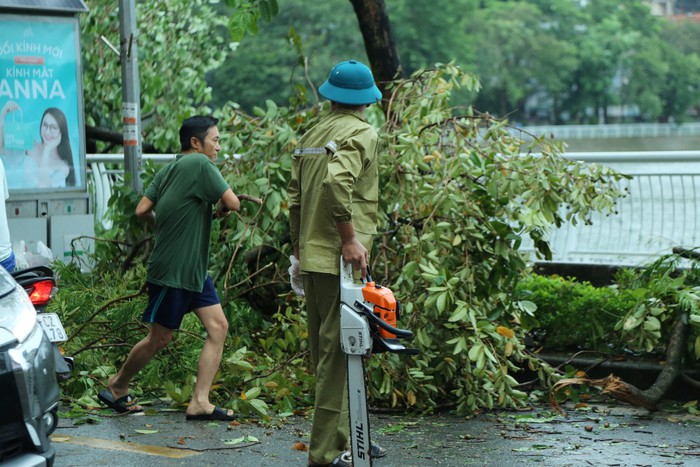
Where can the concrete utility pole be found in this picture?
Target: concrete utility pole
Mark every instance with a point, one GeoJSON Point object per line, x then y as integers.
{"type": "Point", "coordinates": [131, 92]}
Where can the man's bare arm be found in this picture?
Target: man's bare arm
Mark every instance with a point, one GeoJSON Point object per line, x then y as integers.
{"type": "Point", "coordinates": [228, 202]}
{"type": "Point", "coordinates": [144, 210]}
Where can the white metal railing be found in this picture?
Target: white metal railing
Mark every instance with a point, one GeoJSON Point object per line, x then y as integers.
{"type": "Point", "coordinates": [620, 130]}
{"type": "Point", "coordinates": [101, 178]}
{"type": "Point", "coordinates": [662, 209]}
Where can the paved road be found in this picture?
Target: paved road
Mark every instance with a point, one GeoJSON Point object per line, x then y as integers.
{"type": "Point", "coordinates": [602, 434]}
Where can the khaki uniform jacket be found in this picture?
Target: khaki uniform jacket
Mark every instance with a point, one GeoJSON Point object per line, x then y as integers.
{"type": "Point", "coordinates": [334, 180]}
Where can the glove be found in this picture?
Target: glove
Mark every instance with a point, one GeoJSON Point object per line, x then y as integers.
{"type": "Point", "coordinates": [295, 276]}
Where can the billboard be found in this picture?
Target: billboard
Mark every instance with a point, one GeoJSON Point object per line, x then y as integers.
{"type": "Point", "coordinates": [41, 123]}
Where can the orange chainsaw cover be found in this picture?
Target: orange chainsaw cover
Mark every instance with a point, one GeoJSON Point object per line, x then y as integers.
{"type": "Point", "coordinates": [384, 305]}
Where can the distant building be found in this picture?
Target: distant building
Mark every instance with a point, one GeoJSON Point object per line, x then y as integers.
{"type": "Point", "coordinates": [674, 8]}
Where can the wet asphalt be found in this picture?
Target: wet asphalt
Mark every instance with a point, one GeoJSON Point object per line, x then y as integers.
{"type": "Point", "coordinates": [599, 434]}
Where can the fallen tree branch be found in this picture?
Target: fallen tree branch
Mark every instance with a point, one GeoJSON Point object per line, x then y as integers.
{"type": "Point", "coordinates": [276, 368]}
{"type": "Point", "coordinates": [104, 307]}
{"type": "Point", "coordinates": [648, 398]}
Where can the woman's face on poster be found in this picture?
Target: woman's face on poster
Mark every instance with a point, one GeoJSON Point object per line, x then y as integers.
{"type": "Point", "coordinates": [49, 129]}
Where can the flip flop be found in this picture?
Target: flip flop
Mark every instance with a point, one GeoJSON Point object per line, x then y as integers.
{"type": "Point", "coordinates": [125, 404]}
{"type": "Point", "coordinates": [218, 414]}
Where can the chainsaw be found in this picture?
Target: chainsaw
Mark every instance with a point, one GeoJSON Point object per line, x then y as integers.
{"type": "Point", "coordinates": [368, 316]}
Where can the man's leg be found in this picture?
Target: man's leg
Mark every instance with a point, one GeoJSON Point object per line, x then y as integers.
{"type": "Point", "coordinates": [216, 325]}
{"type": "Point", "coordinates": [142, 353]}
{"type": "Point", "coordinates": [330, 426]}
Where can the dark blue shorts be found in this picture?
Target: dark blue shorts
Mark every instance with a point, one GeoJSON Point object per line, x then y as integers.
{"type": "Point", "coordinates": [167, 306]}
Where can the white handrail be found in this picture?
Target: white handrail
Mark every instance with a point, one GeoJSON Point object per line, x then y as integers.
{"type": "Point", "coordinates": [614, 130]}
{"type": "Point", "coordinates": [662, 209]}
{"type": "Point", "coordinates": [119, 158]}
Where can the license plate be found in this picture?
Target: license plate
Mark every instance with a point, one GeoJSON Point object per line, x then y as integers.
{"type": "Point", "coordinates": [52, 327]}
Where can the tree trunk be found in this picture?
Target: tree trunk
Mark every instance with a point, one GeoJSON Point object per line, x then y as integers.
{"type": "Point", "coordinates": [379, 42]}
{"type": "Point", "coordinates": [107, 135]}
{"type": "Point", "coordinates": [648, 398]}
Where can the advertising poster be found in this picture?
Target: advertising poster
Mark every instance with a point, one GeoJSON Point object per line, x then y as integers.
{"type": "Point", "coordinates": [40, 133]}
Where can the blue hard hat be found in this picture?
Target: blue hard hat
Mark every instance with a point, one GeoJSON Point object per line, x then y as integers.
{"type": "Point", "coordinates": [352, 83]}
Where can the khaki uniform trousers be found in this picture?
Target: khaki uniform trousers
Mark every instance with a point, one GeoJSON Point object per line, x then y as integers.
{"type": "Point", "coordinates": [330, 427]}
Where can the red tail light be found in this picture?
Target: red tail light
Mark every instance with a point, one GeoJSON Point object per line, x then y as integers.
{"type": "Point", "coordinates": [41, 292]}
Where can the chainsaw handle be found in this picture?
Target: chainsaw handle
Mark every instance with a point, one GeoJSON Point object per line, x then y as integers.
{"type": "Point", "coordinates": [346, 271]}
{"type": "Point", "coordinates": [381, 323]}
{"type": "Point", "coordinates": [369, 274]}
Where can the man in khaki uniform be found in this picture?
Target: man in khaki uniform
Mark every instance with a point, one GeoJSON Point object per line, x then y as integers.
{"type": "Point", "coordinates": [333, 210]}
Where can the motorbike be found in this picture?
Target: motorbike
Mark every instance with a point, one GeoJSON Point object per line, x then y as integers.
{"type": "Point", "coordinates": [29, 388]}
{"type": "Point", "coordinates": [40, 284]}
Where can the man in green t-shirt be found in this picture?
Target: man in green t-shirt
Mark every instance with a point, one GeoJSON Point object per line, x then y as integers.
{"type": "Point", "coordinates": [333, 197]}
{"type": "Point", "coordinates": [179, 203]}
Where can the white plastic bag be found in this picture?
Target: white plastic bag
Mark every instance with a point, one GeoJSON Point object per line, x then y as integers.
{"type": "Point", "coordinates": [21, 254]}
{"type": "Point", "coordinates": [28, 255]}
{"type": "Point", "coordinates": [295, 276]}
{"type": "Point", "coordinates": [42, 256]}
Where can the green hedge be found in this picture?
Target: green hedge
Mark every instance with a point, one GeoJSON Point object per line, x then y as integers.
{"type": "Point", "coordinates": [575, 315]}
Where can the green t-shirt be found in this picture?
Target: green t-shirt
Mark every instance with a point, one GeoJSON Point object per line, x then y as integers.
{"type": "Point", "coordinates": [183, 193]}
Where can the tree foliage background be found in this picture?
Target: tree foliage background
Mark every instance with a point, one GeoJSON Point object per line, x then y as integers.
{"type": "Point", "coordinates": [538, 61]}
{"type": "Point", "coordinates": [179, 42]}
{"type": "Point", "coordinates": [462, 192]}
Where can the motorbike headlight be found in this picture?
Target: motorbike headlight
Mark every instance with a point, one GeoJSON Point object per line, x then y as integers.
{"type": "Point", "coordinates": [17, 314]}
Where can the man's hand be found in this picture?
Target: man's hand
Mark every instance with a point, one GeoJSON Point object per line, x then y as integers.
{"type": "Point", "coordinates": [150, 218]}
{"type": "Point", "coordinates": [356, 254]}
{"type": "Point", "coordinates": [221, 210]}
{"type": "Point", "coordinates": [352, 250]}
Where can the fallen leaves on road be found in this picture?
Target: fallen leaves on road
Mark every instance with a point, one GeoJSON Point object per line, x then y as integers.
{"type": "Point", "coordinates": [181, 441]}
{"type": "Point", "coordinates": [240, 440]}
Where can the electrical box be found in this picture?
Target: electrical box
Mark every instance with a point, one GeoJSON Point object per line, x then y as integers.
{"type": "Point", "coordinates": [72, 238]}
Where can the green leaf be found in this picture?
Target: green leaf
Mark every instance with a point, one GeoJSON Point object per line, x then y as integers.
{"type": "Point", "coordinates": [475, 351]}
{"type": "Point", "coordinates": [459, 314]}
{"type": "Point", "coordinates": [442, 301]}
{"type": "Point", "coordinates": [234, 441]}
{"type": "Point", "coordinates": [274, 8]}
{"type": "Point", "coordinates": [237, 28]}
{"type": "Point", "coordinates": [527, 306]}
{"type": "Point", "coordinates": [652, 324]}
{"type": "Point", "coordinates": [252, 393]}
{"type": "Point", "coordinates": [631, 323]}
{"type": "Point", "coordinates": [259, 406]}
{"type": "Point", "coordinates": [265, 10]}
{"type": "Point", "coordinates": [428, 268]}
